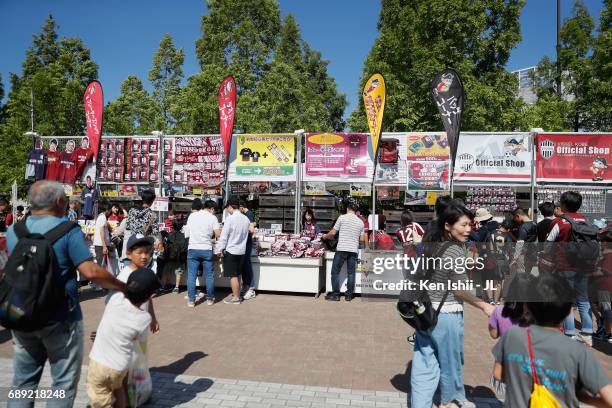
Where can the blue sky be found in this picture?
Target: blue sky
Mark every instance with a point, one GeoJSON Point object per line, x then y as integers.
{"type": "Point", "coordinates": [124, 35]}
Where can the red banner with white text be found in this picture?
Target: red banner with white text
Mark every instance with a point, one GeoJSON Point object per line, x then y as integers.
{"type": "Point", "coordinates": [574, 158]}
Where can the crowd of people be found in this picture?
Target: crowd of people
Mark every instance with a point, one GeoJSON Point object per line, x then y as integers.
{"type": "Point", "coordinates": [537, 340]}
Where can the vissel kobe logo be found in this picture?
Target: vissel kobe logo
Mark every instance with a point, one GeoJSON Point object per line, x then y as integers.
{"type": "Point", "coordinates": [547, 149]}
{"type": "Point", "coordinates": [465, 161]}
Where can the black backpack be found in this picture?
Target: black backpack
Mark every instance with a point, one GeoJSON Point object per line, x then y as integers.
{"type": "Point", "coordinates": [582, 248]}
{"type": "Point", "coordinates": [30, 291]}
{"type": "Point", "coordinates": [176, 246]}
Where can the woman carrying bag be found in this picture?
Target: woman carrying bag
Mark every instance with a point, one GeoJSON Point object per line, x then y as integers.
{"type": "Point", "coordinates": [438, 350]}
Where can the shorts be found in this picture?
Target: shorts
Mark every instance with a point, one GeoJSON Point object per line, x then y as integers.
{"type": "Point", "coordinates": [101, 382]}
{"type": "Point", "coordinates": [232, 265]}
{"type": "Point", "coordinates": [174, 267]}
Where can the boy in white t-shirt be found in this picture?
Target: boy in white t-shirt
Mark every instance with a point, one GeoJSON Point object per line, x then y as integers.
{"type": "Point", "coordinates": [139, 250]}
{"type": "Point", "coordinates": [123, 322]}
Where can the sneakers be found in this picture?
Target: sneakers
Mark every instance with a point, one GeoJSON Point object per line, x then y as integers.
{"type": "Point", "coordinates": [210, 301]}
{"type": "Point", "coordinates": [175, 290]}
{"type": "Point", "coordinates": [334, 297]}
{"type": "Point", "coordinates": [459, 404]}
{"type": "Point", "coordinates": [190, 304]}
{"type": "Point", "coordinates": [199, 295]}
{"type": "Point", "coordinates": [586, 339]}
{"type": "Point", "coordinates": [249, 294]}
{"type": "Point", "coordinates": [412, 339]}
{"type": "Point", "coordinates": [229, 301]}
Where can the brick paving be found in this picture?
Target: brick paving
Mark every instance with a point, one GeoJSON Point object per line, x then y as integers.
{"type": "Point", "coordinates": [287, 350]}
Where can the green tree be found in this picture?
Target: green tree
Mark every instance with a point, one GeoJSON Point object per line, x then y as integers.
{"type": "Point", "coordinates": [418, 38]}
{"type": "Point", "coordinates": [296, 92]}
{"type": "Point", "coordinates": [133, 112]}
{"type": "Point", "coordinates": [282, 84]}
{"type": "Point", "coordinates": [567, 110]}
{"type": "Point", "coordinates": [166, 75]}
{"type": "Point", "coordinates": [56, 72]}
{"type": "Point", "coordinates": [599, 116]}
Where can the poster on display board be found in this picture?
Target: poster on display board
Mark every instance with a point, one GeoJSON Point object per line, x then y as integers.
{"type": "Point", "coordinates": [432, 147]}
{"type": "Point", "coordinates": [361, 190]}
{"type": "Point", "coordinates": [342, 155]}
{"type": "Point", "coordinates": [428, 175]}
{"type": "Point", "coordinates": [197, 161]}
{"type": "Point", "coordinates": [314, 188]}
{"type": "Point", "coordinates": [415, 198]}
{"type": "Point", "coordinates": [391, 174]}
{"type": "Point", "coordinates": [385, 193]}
{"type": "Point", "coordinates": [494, 157]}
{"type": "Point", "coordinates": [574, 158]}
{"type": "Point", "coordinates": [265, 155]}
{"type": "Point", "coordinates": [142, 160]}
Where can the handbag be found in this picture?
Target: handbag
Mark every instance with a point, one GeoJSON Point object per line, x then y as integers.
{"type": "Point", "coordinates": [540, 396]}
{"type": "Point", "coordinates": [416, 238]}
{"type": "Point", "coordinates": [415, 307]}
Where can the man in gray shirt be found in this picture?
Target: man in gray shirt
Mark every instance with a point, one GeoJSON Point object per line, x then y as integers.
{"type": "Point", "coordinates": [232, 247]}
{"type": "Point", "coordinates": [350, 230]}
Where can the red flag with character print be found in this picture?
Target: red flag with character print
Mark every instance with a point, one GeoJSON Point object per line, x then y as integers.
{"type": "Point", "coordinates": [93, 99]}
{"type": "Point", "coordinates": [227, 112]}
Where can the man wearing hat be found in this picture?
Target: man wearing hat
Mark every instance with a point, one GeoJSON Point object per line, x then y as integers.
{"type": "Point", "coordinates": [487, 225]}
{"type": "Point", "coordinates": [232, 247]}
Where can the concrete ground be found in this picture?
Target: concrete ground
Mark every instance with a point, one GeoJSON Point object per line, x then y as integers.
{"type": "Point", "coordinates": [284, 341]}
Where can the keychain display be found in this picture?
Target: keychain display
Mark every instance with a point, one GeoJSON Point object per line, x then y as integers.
{"type": "Point", "coordinates": [496, 199]}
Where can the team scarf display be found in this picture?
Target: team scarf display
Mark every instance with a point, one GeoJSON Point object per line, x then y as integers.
{"type": "Point", "coordinates": [447, 91]}
{"type": "Point", "coordinates": [374, 94]}
{"type": "Point", "coordinates": [227, 111]}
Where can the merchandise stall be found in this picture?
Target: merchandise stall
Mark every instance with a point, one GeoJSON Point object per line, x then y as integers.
{"type": "Point", "coordinates": [335, 165]}
{"type": "Point", "coordinates": [579, 162]}
{"type": "Point", "coordinates": [264, 170]}
{"type": "Point", "coordinates": [493, 170]}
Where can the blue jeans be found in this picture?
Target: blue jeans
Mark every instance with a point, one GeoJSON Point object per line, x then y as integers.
{"type": "Point", "coordinates": [579, 282]}
{"type": "Point", "coordinates": [195, 257]}
{"type": "Point", "coordinates": [438, 358]}
{"type": "Point", "coordinates": [248, 280]}
{"type": "Point", "coordinates": [351, 261]}
{"type": "Point", "coordinates": [61, 344]}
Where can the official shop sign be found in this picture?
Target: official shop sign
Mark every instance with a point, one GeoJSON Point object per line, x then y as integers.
{"type": "Point", "coordinates": [502, 157]}
{"type": "Point", "coordinates": [575, 157]}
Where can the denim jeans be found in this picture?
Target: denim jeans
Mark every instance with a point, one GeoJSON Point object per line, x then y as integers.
{"type": "Point", "coordinates": [248, 280]}
{"type": "Point", "coordinates": [61, 344]}
{"type": "Point", "coordinates": [351, 261]}
{"type": "Point", "coordinates": [438, 358]}
{"type": "Point", "coordinates": [579, 282]}
{"type": "Point", "coordinates": [195, 257]}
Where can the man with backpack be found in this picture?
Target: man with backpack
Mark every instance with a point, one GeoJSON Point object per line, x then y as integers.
{"type": "Point", "coordinates": [574, 261]}
{"type": "Point", "coordinates": [39, 298]}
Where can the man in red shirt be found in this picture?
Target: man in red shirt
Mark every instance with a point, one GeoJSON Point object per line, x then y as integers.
{"type": "Point", "coordinates": [68, 164]}
{"type": "Point", "coordinates": [82, 156]}
{"type": "Point", "coordinates": [560, 229]}
{"type": "Point", "coordinates": [53, 161]}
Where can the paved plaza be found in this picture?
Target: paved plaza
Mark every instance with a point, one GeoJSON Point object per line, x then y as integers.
{"type": "Point", "coordinates": [286, 350]}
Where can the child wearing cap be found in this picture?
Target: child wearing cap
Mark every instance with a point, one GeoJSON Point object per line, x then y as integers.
{"type": "Point", "coordinates": [139, 251]}
{"type": "Point", "coordinates": [123, 322]}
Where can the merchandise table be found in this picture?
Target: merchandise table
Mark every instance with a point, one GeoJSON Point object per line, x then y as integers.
{"type": "Point", "coordinates": [278, 274]}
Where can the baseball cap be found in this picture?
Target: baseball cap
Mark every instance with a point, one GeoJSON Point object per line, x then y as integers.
{"type": "Point", "coordinates": [141, 284]}
{"type": "Point", "coordinates": [139, 239]}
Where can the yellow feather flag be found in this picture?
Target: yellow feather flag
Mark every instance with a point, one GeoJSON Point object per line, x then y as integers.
{"type": "Point", "coordinates": [374, 93]}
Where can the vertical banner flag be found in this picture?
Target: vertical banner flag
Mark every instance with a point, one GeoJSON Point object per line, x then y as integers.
{"type": "Point", "coordinates": [447, 91]}
{"type": "Point", "coordinates": [374, 102]}
{"type": "Point", "coordinates": [227, 112]}
{"type": "Point", "coordinates": [93, 99]}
